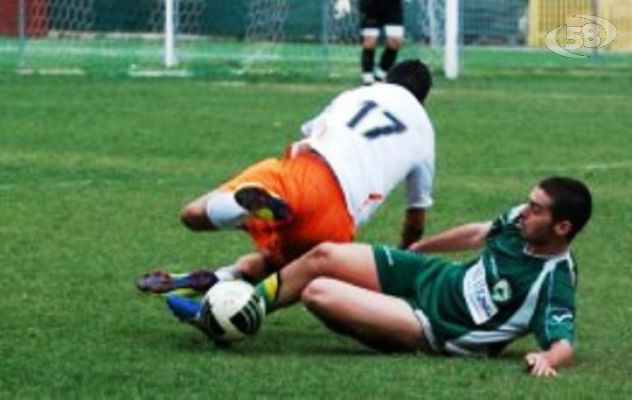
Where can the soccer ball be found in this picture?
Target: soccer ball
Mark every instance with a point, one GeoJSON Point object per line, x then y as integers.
{"type": "Point", "coordinates": [231, 311]}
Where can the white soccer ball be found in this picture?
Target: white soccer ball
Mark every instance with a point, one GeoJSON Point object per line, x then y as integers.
{"type": "Point", "coordinates": [231, 311]}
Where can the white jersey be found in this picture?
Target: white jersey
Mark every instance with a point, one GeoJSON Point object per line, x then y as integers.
{"type": "Point", "coordinates": [372, 138]}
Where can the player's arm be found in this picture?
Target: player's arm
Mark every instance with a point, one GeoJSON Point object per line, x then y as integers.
{"type": "Point", "coordinates": [419, 182]}
{"type": "Point", "coordinates": [545, 363]}
{"type": "Point", "coordinates": [553, 323]}
{"type": "Point", "coordinates": [465, 237]}
{"type": "Point", "coordinates": [413, 229]}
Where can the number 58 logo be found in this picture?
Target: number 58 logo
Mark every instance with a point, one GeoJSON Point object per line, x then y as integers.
{"type": "Point", "coordinates": [582, 36]}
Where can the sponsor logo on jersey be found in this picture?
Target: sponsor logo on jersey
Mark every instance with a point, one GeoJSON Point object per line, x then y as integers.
{"type": "Point", "coordinates": [501, 293]}
{"type": "Point", "coordinates": [561, 316]}
{"type": "Point", "coordinates": [477, 296]}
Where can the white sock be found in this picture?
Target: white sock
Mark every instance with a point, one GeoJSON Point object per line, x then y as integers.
{"type": "Point", "coordinates": [228, 273]}
{"type": "Point", "coordinates": [223, 211]}
{"type": "Point", "coordinates": [368, 78]}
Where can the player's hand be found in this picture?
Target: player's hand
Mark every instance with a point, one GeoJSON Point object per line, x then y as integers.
{"type": "Point", "coordinates": [342, 8]}
{"type": "Point", "coordinates": [539, 366]}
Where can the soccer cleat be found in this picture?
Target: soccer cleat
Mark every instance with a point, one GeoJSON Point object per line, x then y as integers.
{"type": "Point", "coordinates": [185, 309]}
{"type": "Point", "coordinates": [160, 282]}
{"type": "Point", "coordinates": [190, 311]}
{"type": "Point", "coordinates": [368, 78]}
{"type": "Point", "coordinates": [262, 204]}
{"type": "Point", "coordinates": [380, 74]}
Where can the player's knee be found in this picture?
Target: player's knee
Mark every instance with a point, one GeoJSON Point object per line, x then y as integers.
{"type": "Point", "coordinates": [317, 295]}
{"type": "Point", "coordinates": [193, 217]}
{"type": "Point", "coordinates": [369, 43]}
{"type": "Point", "coordinates": [321, 257]}
{"type": "Point", "coordinates": [395, 43]}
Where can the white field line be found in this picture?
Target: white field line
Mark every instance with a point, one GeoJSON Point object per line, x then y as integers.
{"type": "Point", "coordinates": [603, 166]}
{"type": "Point", "coordinates": [81, 183]}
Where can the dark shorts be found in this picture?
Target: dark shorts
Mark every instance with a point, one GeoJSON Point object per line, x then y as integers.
{"type": "Point", "coordinates": [378, 13]}
{"type": "Point", "coordinates": [403, 274]}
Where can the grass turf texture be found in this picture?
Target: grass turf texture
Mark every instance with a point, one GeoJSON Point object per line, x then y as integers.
{"type": "Point", "coordinates": [93, 172]}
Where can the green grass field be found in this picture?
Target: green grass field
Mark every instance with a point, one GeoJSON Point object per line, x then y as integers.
{"type": "Point", "coordinates": [93, 172]}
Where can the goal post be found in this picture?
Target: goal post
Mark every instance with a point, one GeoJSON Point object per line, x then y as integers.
{"type": "Point", "coordinates": [451, 48]}
{"type": "Point", "coordinates": [170, 34]}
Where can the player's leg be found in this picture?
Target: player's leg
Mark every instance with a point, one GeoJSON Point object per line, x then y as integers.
{"type": "Point", "coordinates": [384, 322]}
{"type": "Point", "coordinates": [214, 210]}
{"type": "Point", "coordinates": [226, 209]}
{"type": "Point", "coordinates": [253, 193]}
{"type": "Point", "coordinates": [353, 263]}
{"type": "Point", "coordinates": [369, 32]}
{"type": "Point", "coordinates": [393, 43]}
{"type": "Point", "coordinates": [368, 57]}
{"type": "Point", "coordinates": [251, 267]}
{"type": "Point", "coordinates": [393, 18]}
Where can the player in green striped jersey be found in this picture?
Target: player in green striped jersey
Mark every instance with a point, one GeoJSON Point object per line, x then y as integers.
{"type": "Point", "coordinates": [523, 281]}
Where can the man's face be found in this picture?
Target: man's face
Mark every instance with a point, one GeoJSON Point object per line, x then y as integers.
{"type": "Point", "coordinates": [536, 225]}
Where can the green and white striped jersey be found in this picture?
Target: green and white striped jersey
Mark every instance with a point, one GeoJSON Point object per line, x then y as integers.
{"type": "Point", "coordinates": [483, 305]}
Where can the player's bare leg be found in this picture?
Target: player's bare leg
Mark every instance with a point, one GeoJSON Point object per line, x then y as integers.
{"type": "Point", "coordinates": [379, 321]}
{"type": "Point", "coordinates": [353, 263]}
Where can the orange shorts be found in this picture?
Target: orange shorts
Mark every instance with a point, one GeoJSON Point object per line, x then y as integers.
{"type": "Point", "coordinates": [309, 187]}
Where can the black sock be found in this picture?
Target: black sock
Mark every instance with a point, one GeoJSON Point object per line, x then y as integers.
{"type": "Point", "coordinates": [388, 58]}
{"type": "Point", "coordinates": [368, 56]}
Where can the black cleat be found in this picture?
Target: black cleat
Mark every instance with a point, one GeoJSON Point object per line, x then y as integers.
{"type": "Point", "coordinates": [262, 204]}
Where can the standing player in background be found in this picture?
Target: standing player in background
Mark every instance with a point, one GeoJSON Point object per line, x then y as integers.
{"type": "Point", "coordinates": [377, 16]}
{"type": "Point", "coordinates": [354, 153]}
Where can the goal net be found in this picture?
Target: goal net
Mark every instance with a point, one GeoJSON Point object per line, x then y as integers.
{"type": "Point", "coordinates": [203, 37]}
{"type": "Point", "coordinates": [292, 39]}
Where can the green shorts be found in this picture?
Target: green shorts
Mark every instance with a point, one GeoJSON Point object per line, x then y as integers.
{"type": "Point", "coordinates": [413, 278]}
{"type": "Point", "coordinates": [401, 273]}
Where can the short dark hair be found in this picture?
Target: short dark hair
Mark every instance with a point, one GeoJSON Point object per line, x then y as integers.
{"type": "Point", "coordinates": [413, 75]}
{"type": "Point", "coordinates": [571, 201]}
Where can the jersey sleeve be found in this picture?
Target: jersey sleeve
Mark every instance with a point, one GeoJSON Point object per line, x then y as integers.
{"type": "Point", "coordinates": [313, 126]}
{"type": "Point", "coordinates": [419, 184]}
{"type": "Point", "coordinates": [554, 317]}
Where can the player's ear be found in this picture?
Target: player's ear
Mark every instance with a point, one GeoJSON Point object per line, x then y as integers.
{"type": "Point", "coordinates": [563, 228]}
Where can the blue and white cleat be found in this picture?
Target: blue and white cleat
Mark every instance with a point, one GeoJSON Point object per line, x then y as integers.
{"type": "Point", "coordinates": [184, 308]}
{"type": "Point", "coordinates": [190, 311]}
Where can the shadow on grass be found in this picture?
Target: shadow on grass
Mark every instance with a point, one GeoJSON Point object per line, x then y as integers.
{"type": "Point", "coordinates": [314, 344]}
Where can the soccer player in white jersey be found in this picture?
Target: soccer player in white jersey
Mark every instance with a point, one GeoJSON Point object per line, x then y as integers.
{"type": "Point", "coordinates": [353, 154]}
{"type": "Point", "coordinates": [523, 281]}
